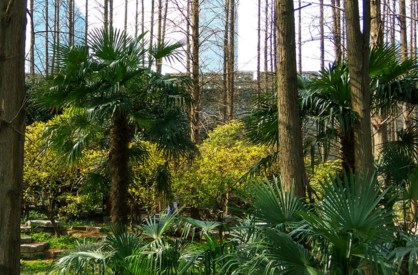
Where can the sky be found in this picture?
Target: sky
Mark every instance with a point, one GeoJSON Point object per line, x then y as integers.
{"type": "Point", "coordinates": [247, 31]}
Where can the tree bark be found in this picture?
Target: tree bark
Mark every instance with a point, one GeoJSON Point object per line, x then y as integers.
{"type": "Point", "coordinates": [321, 34]}
{"type": "Point", "coordinates": [376, 28]}
{"type": "Point", "coordinates": [110, 13]}
{"type": "Point", "coordinates": [46, 38]}
{"type": "Point", "coordinates": [266, 33]}
{"type": "Point", "coordinates": [231, 61]}
{"type": "Point", "coordinates": [358, 61]}
{"type": "Point", "coordinates": [32, 40]}
{"type": "Point", "coordinates": [225, 65]}
{"type": "Point", "coordinates": [195, 108]}
{"type": "Point", "coordinates": [152, 26]}
{"type": "Point", "coordinates": [159, 35]}
{"type": "Point", "coordinates": [12, 128]}
{"type": "Point", "coordinates": [292, 165]}
{"type": "Point", "coordinates": [70, 23]}
{"type": "Point", "coordinates": [106, 14]}
{"type": "Point", "coordinates": [119, 168]}
{"type": "Point", "coordinates": [336, 25]}
{"type": "Point", "coordinates": [300, 37]}
{"type": "Point", "coordinates": [125, 25]}
{"type": "Point", "coordinates": [259, 48]}
{"type": "Point", "coordinates": [86, 27]}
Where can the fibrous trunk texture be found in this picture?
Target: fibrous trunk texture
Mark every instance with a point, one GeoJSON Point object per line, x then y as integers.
{"type": "Point", "coordinates": [119, 168]}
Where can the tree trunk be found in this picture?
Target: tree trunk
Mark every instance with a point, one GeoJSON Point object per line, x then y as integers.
{"type": "Point", "coordinates": [70, 23]}
{"type": "Point", "coordinates": [143, 25]}
{"type": "Point", "coordinates": [152, 27]}
{"type": "Point", "coordinates": [106, 14]}
{"type": "Point", "coordinates": [12, 128]}
{"type": "Point", "coordinates": [195, 108]}
{"type": "Point", "coordinates": [125, 25]}
{"type": "Point", "coordinates": [225, 65]}
{"type": "Point", "coordinates": [380, 133]}
{"type": "Point", "coordinates": [86, 27]}
{"type": "Point", "coordinates": [159, 35]}
{"type": "Point", "coordinates": [347, 151]}
{"type": "Point", "coordinates": [290, 127]}
{"type": "Point", "coordinates": [188, 44]}
{"type": "Point", "coordinates": [231, 61]}
{"type": "Point", "coordinates": [266, 33]}
{"type": "Point", "coordinates": [358, 61]}
{"type": "Point", "coordinates": [32, 40]}
{"type": "Point", "coordinates": [336, 25]}
{"type": "Point", "coordinates": [119, 169]}
{"type": "Point", "coordinates": [300, 37]}
{"type": "Point", "coordinates": [376, 30]}
{"type": "Point", "coordinates": [321, 34]}
{"type": "Point", "coordinates": [110, 13]}
{"type": "Point", "coordinates": [136, 17]}
{"type": "Point", "coordinates": [46, 38]}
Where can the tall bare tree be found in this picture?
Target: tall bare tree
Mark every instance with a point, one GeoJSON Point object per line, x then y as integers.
{"type": "Point", "coordinates": [299, 37]}
{"type": "Point", "coordinates": [266, 35]}
{"type": "Point", "coordinates": [290, 126]}
{"type": "Point", "coordinates": [231, 60]}
{"type": "Point", "coordinates": [12, 128]}
{"type": "Point", "coordinates": [321, 34]}
{"type": "Point", "coordinates": [336, 25]}
{"type": "Point", "coordinates": [195, 108]}
{"type": "Point", "coordinates": [380, 132]}
{"type": "Point", "coordinates": [358, 60]}
{"type": "Point", "coordinates": [32, 40]}
{"type": "Point", "coordinates": [86, 20]}
{"type": "Point", "coordinates": [46, 38]}
{"type": "Point", "coordinates": [225, 64]}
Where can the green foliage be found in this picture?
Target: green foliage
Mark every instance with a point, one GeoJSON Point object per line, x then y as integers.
{"type": "Point", "coordinates": [212, 180]}
{"type": "Point", "coordinates": [63, 242]}
{"type": "Point", "coordinates": [37, 267]}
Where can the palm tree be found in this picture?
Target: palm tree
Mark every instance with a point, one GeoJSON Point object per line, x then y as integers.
{"type": "Point", "coordinates": [344, 233]}
{"type": "Point", "coordinates": [107, 97]}
{"type": "Point", "coordinates": [326, 99]}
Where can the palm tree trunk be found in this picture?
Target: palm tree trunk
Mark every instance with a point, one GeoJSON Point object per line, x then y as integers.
{"type": "Point", "coordinates": [119, 168]}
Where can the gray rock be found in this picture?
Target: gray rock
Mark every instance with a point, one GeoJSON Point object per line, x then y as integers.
{"type": "Point", "coordinates": [24, 229]}
{"type": "Point", "coordinates": [32, 247]}
{"type": "Point", "coordinates": [41, 223]}
{"type": "Point", "coordinates": [25, 240]}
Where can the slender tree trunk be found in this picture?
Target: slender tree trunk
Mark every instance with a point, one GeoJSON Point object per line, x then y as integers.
{"type": "Point", "coordinates": [32, 40]}
{"type": "Point", "coordinates": [407, 117]}
{"type": "Point", "coordinates": [159, 35]}
{"type": "Point", "coordinates": [70, 23]}
{"type": "Point", "coordinates": [266, 33]}
{"type": "Point", "coordinates": [125, 25]}
{"type": "Point", "coordinates": [225, 65]}
{"type": "Point", "coordinates": [336, 23]}
{"type": "Point", "coordinates": [12, 129]}
{"type": "Point", "coordinates": [231, 61]}
{"type": "Point", "coordinates": [111, 13]}
{"type": "Point", "coordinates": [188, 44]}
{"type": "Point", "coordinates": [380, 133]}
{"type": "Point", "coordinates": [136, 17]}
{"type": "Point", "coordinates": [143, 24]}
{"type": "Point", "coordinates": [299, 37]}
{"type": "Point", "coordinates": [393, 28]}
{"type": "Point", "coordinates": [258, 48]}
{"type": "Point", "coordinates": [290, 126]}
{"type": "Point", "coordinates": [165, 21]}
{"type": "Point", "coordinates": [119, 168]}
{"type": "Point", "coordinates": [152, 26]}
{"type": "Point", "coordinates": [195, 109]}
{"type": "Point", "coordinates": [106, 14]}
{"type": "Point", "coordinates": [272, 27]}
{"type": "Point", "coordinates": [358, 61]}
{"type": "Point", "coordinates": [321, 34]}
{"type": "Point", "coordinates": [46, 38]}
{"type": "Point", "coordinates": [86, 27]}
